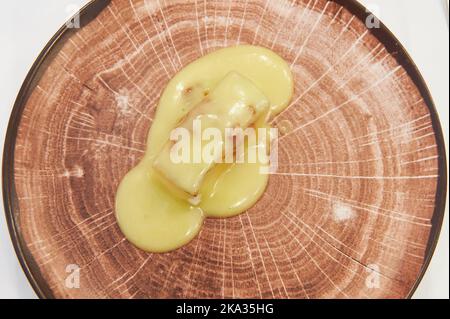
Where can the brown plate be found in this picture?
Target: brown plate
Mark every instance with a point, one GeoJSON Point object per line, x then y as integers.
{"type": "Point", "coordinates": [354, 210]}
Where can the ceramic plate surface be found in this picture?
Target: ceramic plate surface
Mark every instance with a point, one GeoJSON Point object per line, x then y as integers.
{"type": "Point", "coordinates": [354, 210]}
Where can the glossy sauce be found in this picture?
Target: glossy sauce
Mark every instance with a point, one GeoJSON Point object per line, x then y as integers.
{"type": "Point", "coordinates": [156, 216]}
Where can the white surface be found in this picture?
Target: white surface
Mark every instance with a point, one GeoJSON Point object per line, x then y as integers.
{"type": "Point", "coordinates": [27, 25]}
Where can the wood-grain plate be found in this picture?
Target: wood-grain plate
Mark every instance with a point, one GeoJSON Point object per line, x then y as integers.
{"type": "Point", "coordinates": [353, 211]}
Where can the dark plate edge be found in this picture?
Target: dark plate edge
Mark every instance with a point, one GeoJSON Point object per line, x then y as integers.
{"type": "Point", "coordinates": [89, 12]}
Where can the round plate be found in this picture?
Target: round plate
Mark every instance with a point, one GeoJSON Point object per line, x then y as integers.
{"type": "Point", "coordinates": [355, 207]}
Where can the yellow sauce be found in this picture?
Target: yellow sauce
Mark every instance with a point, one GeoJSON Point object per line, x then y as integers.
{"type": "Point", "coordinates": [152, 213]}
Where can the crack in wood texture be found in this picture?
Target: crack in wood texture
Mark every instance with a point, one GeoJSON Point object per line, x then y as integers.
{"type": "Point", "coordinates": [353, 197]}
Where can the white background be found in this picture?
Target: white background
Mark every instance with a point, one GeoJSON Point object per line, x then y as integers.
{"type": "Point", "coordinates": [27, 25]}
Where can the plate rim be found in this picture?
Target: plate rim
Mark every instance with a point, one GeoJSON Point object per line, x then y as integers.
{"type": "Point", "coordinates": [89, 12]}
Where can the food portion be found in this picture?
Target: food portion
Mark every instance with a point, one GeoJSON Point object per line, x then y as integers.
{"type": "Point", "coordinates": [234, 103]}
{"type": "Point", "coordinates": [193, 168]}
